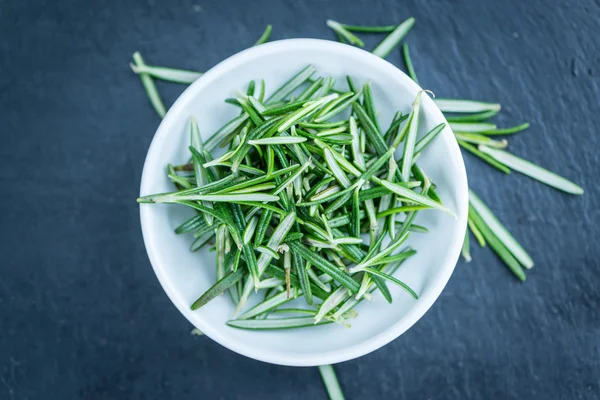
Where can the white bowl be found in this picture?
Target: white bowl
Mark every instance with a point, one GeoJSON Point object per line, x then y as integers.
{"type": "Point", "coordinates": [185, 275]}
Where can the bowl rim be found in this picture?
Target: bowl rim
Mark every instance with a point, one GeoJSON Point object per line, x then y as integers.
{"type": "Point", "coordinates": [364, 347]}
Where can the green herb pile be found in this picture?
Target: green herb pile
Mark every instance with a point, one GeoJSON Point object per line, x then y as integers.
{"type": "Point", "coordinates": [315, 183]}
{"type": "Point", "coordinates": [287, 204]}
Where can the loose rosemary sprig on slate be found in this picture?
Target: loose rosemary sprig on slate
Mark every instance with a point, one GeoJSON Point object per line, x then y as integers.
{"type": "Point", "coordinates": [288, 203]}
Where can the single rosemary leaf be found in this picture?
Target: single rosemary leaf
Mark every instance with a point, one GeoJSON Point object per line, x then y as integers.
{"type": "Point", "coordinates": [411, 138]}
{"type": "Point", "coordinates": [219, 136]}
{"type": "Point", "coordinates": [229, 198]}
{"type": "Point", "coordinates": [499, 230]}
{"type": "Point", "coordinates": [477, 117]}
{"type": "Point", "coordinates": [167, 74]}
{"type": "Point", "coordinates": [507, 131]}
{"type": "Point", "coordinates": [473, 127]}
{"type": "Point", "coordinates": [266, 305]}
{"type": "Point", "coordinates": [331, 383]}
{"type": "Point", "coordinates": [477, 138]}
{"type": "Point", "coordinates": [280, 273]}
{"type": "Point", "coordinates": [218, 288]}
{"type": "Point", "coordinates": [347, 35]}
{"type": "Point", "coordinates": [277, 140]}
{"type": "Point", "coordinates": [191, 224]}
{"type": "Point", "coordinates": [369, 105]}
{"type": "Point", "coordinates": [302, 273]}
{"type": "Point", "coordinates": [397, 210]}
{"type": "Point", "coordinates": [325, 266]}
{"type": "Point", "coordinates": [149, 87]}
{"type": "Point", "coordinates": [276, 323]}
{"type": "Point", "coordinates": [499, 248]}
{"type": "Point", "coordinates": [533, 171]}
{"type": "Point", "coordinates": [473, 150]}
{"type": "Point", "coordinates": [406, 193]}
{"type": "Point", "coordinates": [370, 129]}
{"type": "Point", "coordinates": [409, 66]}
{"type": "Point", "coordinates": [465, 106]}
{"type": "Point", "coordinates": [390, 278]}
{"type": "Point", "coordinates": [287, 88]}
{"type": "Point", "coordinates": [310, 90]}
{"type": "Point", "coordinates": [332, 301]}
{"type": "Point", "coordinates": [265, 36]}
{"type": "Point", "coordinates": [370, 29]}
{"type": "Point", "coordinates": [476, 232]}
{"type": "Point", "coordinates": [391, 41]}
{"type": "Point", "coordinates": [466, 251]}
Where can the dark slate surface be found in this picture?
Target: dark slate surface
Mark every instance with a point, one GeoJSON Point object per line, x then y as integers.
{"type": "Point", "coordinates": [82, 314]}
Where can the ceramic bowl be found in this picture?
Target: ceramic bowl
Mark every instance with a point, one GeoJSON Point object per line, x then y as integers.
{"type": "Point", "coordinates": [185, 275]}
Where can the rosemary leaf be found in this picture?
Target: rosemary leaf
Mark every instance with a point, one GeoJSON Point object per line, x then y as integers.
{"type": "Point", "coordinates": [391, 41]}
{"type": "Point", "coordinates": [533, 171]}
{"type": "Point", "coordinates": [265, 36]}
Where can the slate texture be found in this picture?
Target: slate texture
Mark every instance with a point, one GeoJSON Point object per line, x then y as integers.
{"type": "Point", "coordinates": [82, 315]}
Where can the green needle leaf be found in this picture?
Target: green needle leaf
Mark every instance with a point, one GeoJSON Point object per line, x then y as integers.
{"type": "Point", "coordinates": [215, 290]}
{"type": "Point", "coordinates": [528, 168]}
{"type": "Point", "coordinates": [391, 41]}
{"type": "Point", "coordinates": [390, 278]}
{"type": "Point", "coordinates": [411, 138]}
{"type": "Point", "coordinates": [473, 150]}
{"type": "Point", "coordinates": [334, 299]}
{"type": "Point", "coordinates": [287, 88]}
{"type": "Point", "coordinates": [476, 232]}
{"type": "Point", "coordinates": [500, 230]}
{"type": "Point", "coordinates": [331, 383]}
{"type": "Point", "coordinates": [219, 136]}
{"type": "Point", "coordinates": [476, 138]}
{"type": "Point", "coordinates": [465, 251]}
{"type": "Point", "coordinates": [277, 140]}
{"type": "Point", "coordinates": [474, 127]}
{"type": "Point", "coordinates": [370, 29]}
{"type": "Point", "coordinates": [167, 74]}
{"type": "Point", "coordinates": [149, 86]}
{"type": "Point", "coordinates": [229, 198]}
{"type": "Point", "coordinates": [267, 305]}
{"type": "Point", "coordinates": [325, 266]}
{"type": "Point", "coordinates": [277, 323]}
{"type": "Point", "coordinates": [481, 116]}
{"type": "Point", "coordinates": [507, 131]}
{"type": "Point", "coordinates": [428, 138]}
{"type": "Point", "coordinates": [498, 247]}
{"type": "Point", "coordinates": [265, 36]}
{"type": "Point", "coordinates": [347, 35]}
{"type": "Point", "coordinates": [465, 106]}
{"type": "Point", "coordinates": [415, 197]}
{"type": "Point", "coordinates": [409, 66]}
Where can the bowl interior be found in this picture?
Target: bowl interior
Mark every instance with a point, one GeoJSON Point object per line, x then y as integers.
{"type": "Point", "coordinates": [185, 275]}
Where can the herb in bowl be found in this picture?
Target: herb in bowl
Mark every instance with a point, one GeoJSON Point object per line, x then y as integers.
{"type": "Point", "coordinates": [308, 201]}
